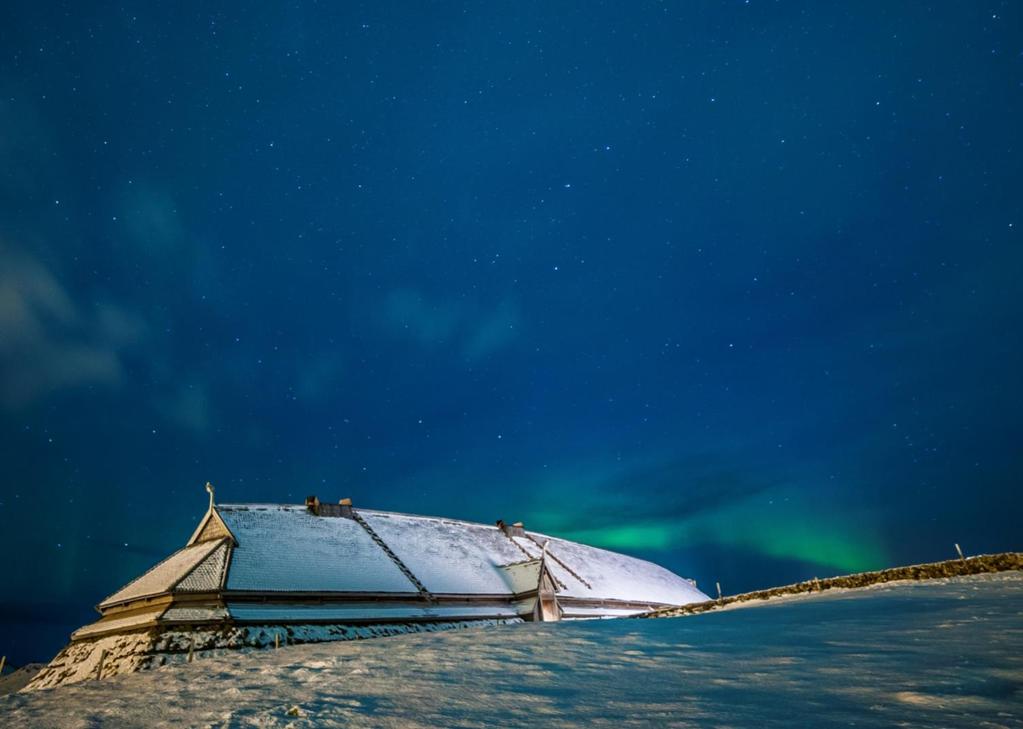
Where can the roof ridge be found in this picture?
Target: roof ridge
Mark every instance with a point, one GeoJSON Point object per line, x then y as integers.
{"type": "Point", "coordinates": [302, 507]}
{"type": "Point", "coordinates": [428, 516]}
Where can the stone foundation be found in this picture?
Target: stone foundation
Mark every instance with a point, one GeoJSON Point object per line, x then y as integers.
{"type": "Point", "coordinates": [111, 655]}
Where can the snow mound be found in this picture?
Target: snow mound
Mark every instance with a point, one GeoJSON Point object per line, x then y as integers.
{"type": "Point", "coordinates": [944, 653]}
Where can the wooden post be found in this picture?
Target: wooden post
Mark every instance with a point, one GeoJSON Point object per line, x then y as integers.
{"type": "Point", "coordinates": [719, 590]}
{"type": "Point", "coordinates": [191, 648]}
{"type": "Point", "coordinates": [277, 640]}
{"type": "Point", "coordinates": [3, 662]}
{"type": "Point", "coordinates": [99, 666]}
{"type": "Point", "coordinates": [817, 584]}
{"type": "Point", "coordinates": [960, 551]}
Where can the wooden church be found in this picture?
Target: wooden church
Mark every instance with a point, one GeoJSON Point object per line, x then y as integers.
{"type": "Point", "coordinates": [254, 575]}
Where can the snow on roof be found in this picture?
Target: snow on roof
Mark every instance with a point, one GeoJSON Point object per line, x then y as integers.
{"type": "Point", "coordinates": [208, 575]}
{"type": "Point", "coordinates": [448, 557]}
{"type": "Point", "coordinates": [193, 614]}
{"type": "Point", "coordinates": [612, 575]}
{"type": "Point", "coordinates": [270, 612]}
{"type": "Point", "coordinates": [164, 575]}
{"type": "Point", "coordinates": [287, 549]}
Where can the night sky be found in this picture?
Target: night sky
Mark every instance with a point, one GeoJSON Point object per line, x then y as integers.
{"type": "Point", "coordinates": [733, 286]}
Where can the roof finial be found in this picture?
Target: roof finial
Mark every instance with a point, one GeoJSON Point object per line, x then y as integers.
{"type": "Point", "coordinates": [210, 490]}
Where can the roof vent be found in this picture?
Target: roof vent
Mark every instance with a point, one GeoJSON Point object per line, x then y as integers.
{"type": "Point", "coordinates": [512, 530]}
{"type": "Point", "coordinates": [343, 508]}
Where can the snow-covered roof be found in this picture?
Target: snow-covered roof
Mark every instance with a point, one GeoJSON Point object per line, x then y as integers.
{"type": "Point", "coordinates": [285, 548]}
{"type": "Point", "coordinates": [165, 575]}
{"type": "Point", "coordinates": [343, 613]}
{"type": "Point", "coordinates": [611, 575]}
{"type": "Point", "coordinates": [448, 557]}
{"type": "Point", "coordinates": [208, 575]}
{"type": "Point", "coordinates": [279, 548]}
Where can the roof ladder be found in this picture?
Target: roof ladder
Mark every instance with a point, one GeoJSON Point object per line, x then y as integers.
{"type": "Point", "coordinates": [394, 558]}
{"type": "Point", "coordinates": [568, 569]}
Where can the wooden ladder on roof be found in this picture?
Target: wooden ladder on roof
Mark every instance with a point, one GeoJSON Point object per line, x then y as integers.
{"type": "Point", "coordinates": [567, 569]}
{"type": "Point", "coordinates": [423, 592]}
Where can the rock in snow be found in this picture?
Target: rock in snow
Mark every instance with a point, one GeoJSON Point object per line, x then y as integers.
{"type": "Point", "coordinates": [940, 653]}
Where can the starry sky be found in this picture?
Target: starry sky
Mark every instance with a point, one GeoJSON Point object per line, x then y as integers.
{"type": "Point", "coordinates": [733, 286]}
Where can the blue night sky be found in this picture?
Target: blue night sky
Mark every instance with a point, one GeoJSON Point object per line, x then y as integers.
{"type": "Point", "coordinates": [733, 286]}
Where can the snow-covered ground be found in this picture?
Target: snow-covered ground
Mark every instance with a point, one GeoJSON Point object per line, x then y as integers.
{"type": "Point", "coordinates": [944, 653]}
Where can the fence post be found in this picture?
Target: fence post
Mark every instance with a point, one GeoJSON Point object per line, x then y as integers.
{"type": "Point", "coordinates": [960, 551]}
{"type": "Point", "coordinates": [3, 662]}
{"type": "Point", "coordinates": [718, 584]}
{"type": "Point", "coordinates": [191, 648]}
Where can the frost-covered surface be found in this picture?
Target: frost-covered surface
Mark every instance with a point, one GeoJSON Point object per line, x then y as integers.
{"type": "Point", "coordinates": [112, 655]}
{"type": "Point", "coordinates": [450, 557]}
{"type": "Point", "coordinates": [610, 575]}
{"type": "Point", "coordinates": [269, 612]}
{"type": "Point", "coordinates": [285, 548]}
{"type": "Point", "coordinates": [919, 654]}
{"type": "Point", "coordinates": [16, 680]}
{"type": "Point", "coordinates": [164, 575]}
{"type": "Point", "coordinates": [569, 612]}
{"type": "Point", "coordinates": [208, 575]}
{"type": "Point", "coordinates": [193, 614]}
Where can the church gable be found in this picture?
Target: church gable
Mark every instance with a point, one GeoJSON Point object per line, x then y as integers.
{"type": "Point", "coordinates": [211, 528]}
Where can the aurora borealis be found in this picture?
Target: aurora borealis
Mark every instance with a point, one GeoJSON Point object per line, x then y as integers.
{"type": "Point", "coordinates": [732, 286]}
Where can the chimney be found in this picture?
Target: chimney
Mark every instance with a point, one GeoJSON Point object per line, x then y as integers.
{"type": "Point", "coordinates": [343, 508]}
{"type": "Point", "coordinates": [512, 530]}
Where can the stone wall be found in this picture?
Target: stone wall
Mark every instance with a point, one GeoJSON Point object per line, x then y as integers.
{"type": "Point", "coordinates": [110, 655]}
{"type": "Point", "coordinates": [987, 563]}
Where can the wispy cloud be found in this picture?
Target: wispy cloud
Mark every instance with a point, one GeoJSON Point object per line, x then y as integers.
{"type": "Point", "coordinates": [49, 341]}
{"type": "Point", "coordinates": [472, 330]}
{"type": "Point", "coordinates": [188, 407]}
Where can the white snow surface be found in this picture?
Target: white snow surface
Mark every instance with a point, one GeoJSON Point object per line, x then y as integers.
{"type": "Point", "coordinates": [193, 614]}
{"type": "Point", "coordinates": [269, 612]}
{"type": "Point", "coordinates": [207, 575]}
{"type": "Point", "coordinates": [449, 557]}
{"type": "Point", "coordinates": [285, 548]}
{"type": "Point", "coordinates": [945, 653]}
{"type": "Point", "coordinates": [610, 575]}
